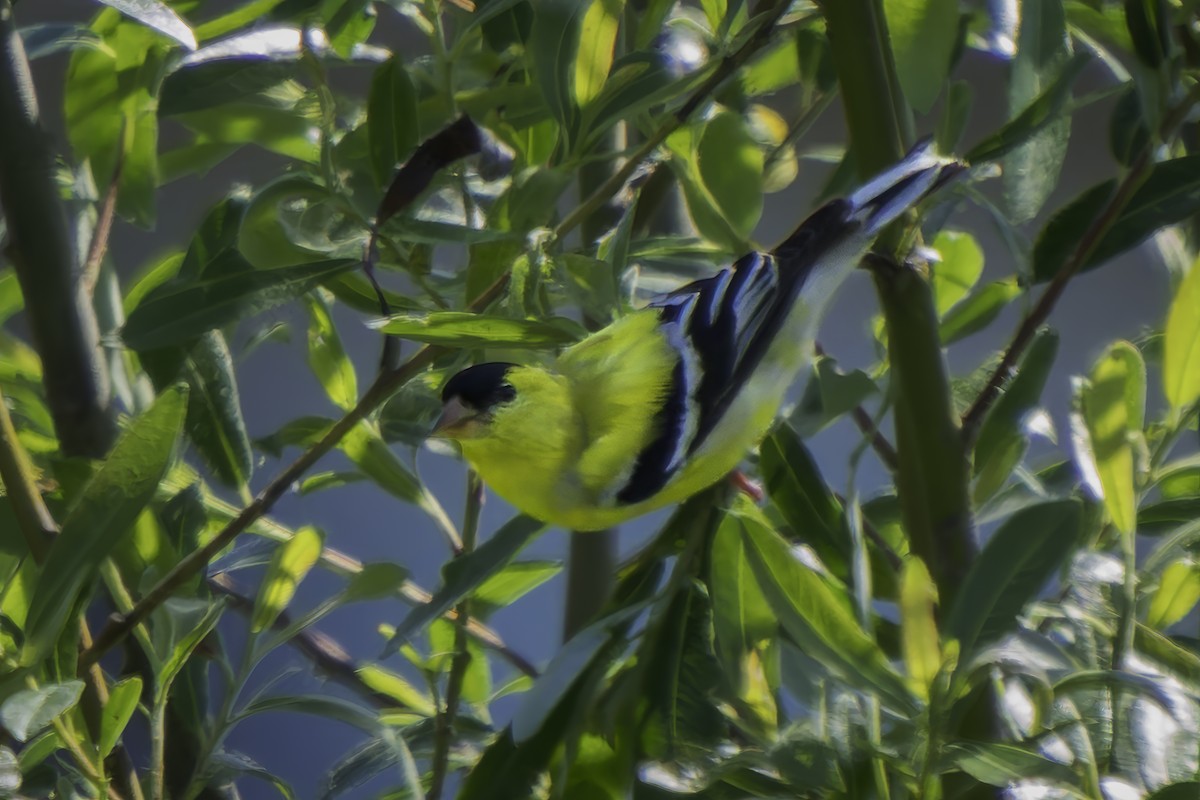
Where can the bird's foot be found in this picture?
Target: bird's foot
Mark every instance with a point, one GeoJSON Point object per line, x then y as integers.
{"type": "Point", "coordinates": [743, 484]}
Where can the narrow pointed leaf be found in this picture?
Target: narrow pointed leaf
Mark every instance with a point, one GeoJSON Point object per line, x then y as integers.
{"type": "Point", "coordinates": [923, 34]}
{"type": "Point", "coordinates": [1015, 564]}
{"type": "Point", "coordinates": [123, 699]}
{"type": "Point", "coordinates": [290, 563]}
{"type": "Point", "coordinates": [1113, 407]}
{"type": "Point", "coordinates": [1181, 348]}
{"type": "Point", "coordinates": [112, 500]}
{"type": "Point", "coordinates": [918, 626]}
{"type": "Point", "coordinates": [464, 329]}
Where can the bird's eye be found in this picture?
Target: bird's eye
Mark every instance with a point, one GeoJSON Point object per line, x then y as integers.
{"type": "Point", "coordinates": [505, 392]}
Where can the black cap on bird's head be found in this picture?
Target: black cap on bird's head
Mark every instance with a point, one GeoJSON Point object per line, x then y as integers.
{"type": "Point", "coordinates": [469, 397]}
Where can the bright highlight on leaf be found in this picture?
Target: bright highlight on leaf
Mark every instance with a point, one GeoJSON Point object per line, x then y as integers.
{"type": "Point", "coordinates": [918, 626]}
{"type": "Point", "coordinates": [1177, 594]}
{"type": "Point", "coordinates": [290, 563]}
{"type": "Point", "coordinates": [1112, 403]}
{"type": "Point", "coordinates": [1181, 346]}
{"type": "Point", "coordinates": [597, 38]}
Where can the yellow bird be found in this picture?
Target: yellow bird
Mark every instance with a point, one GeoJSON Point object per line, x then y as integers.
{"type": "Point", "coordinates": [667, 400]}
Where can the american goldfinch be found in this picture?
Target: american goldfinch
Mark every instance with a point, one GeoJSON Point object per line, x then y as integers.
{"type": "Point", "coordinates": [668, 399]}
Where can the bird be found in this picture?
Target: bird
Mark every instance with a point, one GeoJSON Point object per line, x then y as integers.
{"type": "Point", "coordinates": [669, 399]}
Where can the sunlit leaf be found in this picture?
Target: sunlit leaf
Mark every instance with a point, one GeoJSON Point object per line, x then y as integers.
{"type": "Point", "coordinates": [1181, 347]}
{"type": "Point", "coordinates": [597, 38]}
{"type": "Point", "coordinates": [742, 619]}
{"type": "Point", "coordinates": [730, 166]}
{"type": "Point", "coordinates": [290, 563]}
{"type": "Point", "coordinates": [514, 581]}
{"type": "Point", "coordinates": [123, 698]}
{"type": "Point", "coordinates": [157, 15]}
{"type": "Point", "coordinates": [918, 626]}
{"type": "Point", "coordinates": [1113, 407]}
{"type": "Point", "coordinates": [798, 490]}
{"type": "Point", "coordinates": [326, 356]}
{"type": "Point", "coordinates": [958, 270]}
{"type": "Point", "coordinates": [1177, 594]}
{"type": "Point", "coordinates": [464, 329]}
{"type": "Point", "coordinates": [978, 310]}
{"type": "Point", "coordinates": [26, 712]}
{"type": "Point", "coordinates": [999, 764]}
{"type": "Point", "coordinates": [111, 501]}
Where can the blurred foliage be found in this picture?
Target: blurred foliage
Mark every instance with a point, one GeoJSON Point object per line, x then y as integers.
{"type": "Point", "coordinates": [795, 648]}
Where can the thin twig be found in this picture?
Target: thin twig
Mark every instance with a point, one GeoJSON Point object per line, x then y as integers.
{"type": "Point", "coordinates": [326, 654]}
{"type": "Point", "coordinates": [972, 420]}
{"type": "Point", "coordinates": [104, 220]}
{"type": "Point", "coordinates": [385, 385]}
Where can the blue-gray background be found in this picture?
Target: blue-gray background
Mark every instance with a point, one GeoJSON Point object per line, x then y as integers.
{"type": "Point", "coordinates": [1120, 300]}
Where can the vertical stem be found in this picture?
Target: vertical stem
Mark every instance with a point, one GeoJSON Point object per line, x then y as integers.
{"type": "Point", "coordinates": [592, 555]}
{"type": "Point", "coordinates": [933, 478]}
{"type": "Point", "coordinates": [42, 251]}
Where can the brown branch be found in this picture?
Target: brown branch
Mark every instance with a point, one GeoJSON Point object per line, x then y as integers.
{"type": "Point", "coordinates": [972, 420]}
{"type": "Point", "coordinates": [329, 657]}
{"type": "Point", "coordinates": [98, 245]}
{"type": "Point", "coordinates": [61, 321]}
{"type": "Point", "coordinates": [119, 625]}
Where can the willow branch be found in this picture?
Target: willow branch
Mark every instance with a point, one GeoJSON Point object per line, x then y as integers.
{"type": "Point", "coordinates": [40, 246]}
{"type": "Point", "coordinates": [1139, 170]}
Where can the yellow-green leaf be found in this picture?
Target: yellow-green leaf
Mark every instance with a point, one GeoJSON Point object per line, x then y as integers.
{"type": "Point", "coordinates": [326, 356]}
{"type": "Point", "coordinates": [1177, 594]}
{"type": "Point", "coordinates": [959, 269]}
{"type": "Point", "coordinates": [290, 563]}
{"type": "Point", "coordinates": [1113, 406]}
{"type": "Point", "coordinates": [919, 633]}
{"type": "Point", "coordinates": [1181, 348]}
{"type": "Point", "coordinates": [597, 39]}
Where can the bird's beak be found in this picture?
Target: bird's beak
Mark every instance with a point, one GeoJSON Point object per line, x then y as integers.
{"type": "Point", "coordinates": [454, 416]}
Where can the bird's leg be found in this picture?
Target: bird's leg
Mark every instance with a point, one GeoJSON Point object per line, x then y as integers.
{"type": "Point", "coordinates": [742, 483]}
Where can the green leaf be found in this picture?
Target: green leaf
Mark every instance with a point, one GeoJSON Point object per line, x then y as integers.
{"type": "Point", "coordinates": [214, 417]}
{"type": "Point", "coordinates": [370, 453]}
{"type": "Point", "coordinates": [463, 575]}
{"type": "Point", "coordinates": [1015, 564]}
{"type": "Point", "coordinates": [978, 311]}
{"type": "Point", "coordinates": [1043, 111]}
{"type": "Point", "coordinates": [742, 618]}
{"type": "Point", "coordinates": [290, 563]}
{"type": "Point", "coordinates": [1167, 196]}
{"type": "Point", "coordinates": [117, 493]}
{"type": "Point", "coordinates": [553, 45]}
{"type": "Point", "coordinates": [375, 581]}
{"type": "Point", "coordinates": [392, 123]}
{"type": "Point", "coordinates": [111, 105]}
{"type": "Point", "coordinates": [181, 310]}
{"type": "Point", "coordinates": [514, 581]}
{"type": "Point", "coordinates": [730, 165]}
{"type": "Point", "coordinates": [818, 617]}
{"type": "Point", "coordinates": [157, 15]}
{"type": "Point", "coordinates": [11, 299]}
{"type": "Point", "coordinates": [828, 394]}
{"type": "Point", "coordinates": [1043, 49]}
{"type": "Point", "coordinates": [1003, 764]}
{"type": "Point", "coordinates": [955, 114]}
{"type": "Point", "coordinates": [27, 712]}
{"type": "Point", "coordinates": [327, 706]}
{"type": "Point", "coordinates": [1181, 346]}
{"type": "Point", "coordinates": [797, 488]}
{"type": "Point", "coordinates": [597, 40]}
{"type": "Point", "coordinates": [923, 34]}
{"type": "Point", "coordinates": [177, 642]}
{"type": "Point", "coordinates": [1113, 405]}
{"type": "Point", "coordinates": [1177, 791]}
{"type": "Point", "coordinates": [392, 685]}
{"type": "Point", "coordinates": [465, 329]}
{"type": "Point", "coordinates": [918, 626]}
{"type": "Point", "coordinates": [123, 699]}
{"type": "Point", "coordinates": [958, 270]}
{"type": "Point", "coordinates": [326, 356]}
{"type": "Point", "coordinates": [227, 765]}
{"type": "Point", "coordinates": [1177, 594]}
{"type": "Point", "coordinates": [1002, 438]}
